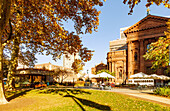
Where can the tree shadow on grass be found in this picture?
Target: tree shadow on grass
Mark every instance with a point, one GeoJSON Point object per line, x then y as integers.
{"type": "Point", "coordinates": [15, 95]}
{"type": "Point", "coordinates": [64, 91]}
{"type": "Point", "coordinates": [79, 101]}
{"type": "Point", "coordinates": [88, 103]}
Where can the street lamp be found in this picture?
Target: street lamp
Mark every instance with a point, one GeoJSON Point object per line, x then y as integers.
{"type": "Point", "coordinates": [88, 76]}
{"type": "Point", "coordinates": [87, 73]}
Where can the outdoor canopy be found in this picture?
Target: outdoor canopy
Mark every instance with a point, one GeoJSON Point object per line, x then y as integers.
{"type": "Point", "coordinates": [104, 75]}
{"type": "Point", "coordinates": [159, 76]}
{"type": "Point", "coordinates": [154, 76]}
{"type": "Point", "coordinates": [140, 74]}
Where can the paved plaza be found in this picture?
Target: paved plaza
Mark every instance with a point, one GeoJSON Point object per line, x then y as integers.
{"type": "Point", "coordinates": [144, 94]}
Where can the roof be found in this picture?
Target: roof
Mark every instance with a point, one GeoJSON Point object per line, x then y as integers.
{"type": "Point", "coordinates": [154, 22]}
{"type": "Point", "coordinates": [118, 42]}
{"type": "Point", "coordinates": [100, 64]}
{"type": "Point", "coordinates": [44, 64]}
{"type": "Point", "coordinates": [35, 69]}
{"type": "Point", "coordinates": [50, 64]}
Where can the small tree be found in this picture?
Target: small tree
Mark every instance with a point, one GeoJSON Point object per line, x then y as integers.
{"type": "Point", "coordinates": [77, 65]}
{"type": "Point", "coordinates": [61, 74]}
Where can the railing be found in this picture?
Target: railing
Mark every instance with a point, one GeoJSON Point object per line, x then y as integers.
{"type": "Point", "coordinates": [148, 82]}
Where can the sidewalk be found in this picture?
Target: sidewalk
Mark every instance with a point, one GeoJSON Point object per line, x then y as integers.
{"type": "Point", "coordinates": [144, 94]}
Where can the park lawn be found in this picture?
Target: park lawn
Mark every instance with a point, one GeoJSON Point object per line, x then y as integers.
{"type": "Point", "coordinates": [76, 100]}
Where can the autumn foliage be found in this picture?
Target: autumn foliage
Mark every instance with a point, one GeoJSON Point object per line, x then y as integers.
{"type": "Point", "coordinates": [39, 26]}
{"type": "Point", "coordinates": [77, 65]}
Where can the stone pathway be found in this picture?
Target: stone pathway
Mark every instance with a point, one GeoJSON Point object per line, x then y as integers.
{"type": "Point", "coordinates": [144, 94]}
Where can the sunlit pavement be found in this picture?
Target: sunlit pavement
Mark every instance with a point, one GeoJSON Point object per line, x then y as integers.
{"type": "Point", "coordinates": [145, 94]}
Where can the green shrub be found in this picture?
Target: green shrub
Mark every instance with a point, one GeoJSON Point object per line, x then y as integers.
{"type": "Point", "coordinates": [164, 91]}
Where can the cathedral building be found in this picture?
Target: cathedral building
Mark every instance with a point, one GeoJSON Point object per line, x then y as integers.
{"type": "Point", "coordinates": [128, 59]}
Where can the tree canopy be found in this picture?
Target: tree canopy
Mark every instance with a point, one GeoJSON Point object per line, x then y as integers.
{"type": "Point", "coordinates": [36, 27]}
{"type": "Point", "coordinates": [77, 65]}
{"type": "Point", "coordinates": [39, 24]}
{"type": "Point", "coordinates": [133, 3]}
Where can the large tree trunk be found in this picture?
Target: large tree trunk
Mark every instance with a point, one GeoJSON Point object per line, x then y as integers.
{"type": "Point", "coordinates": [13, 63]}
{"type": "Point", "coordinates": [2, 94]}
{"type": "Point", "coordinates": [5, 6]}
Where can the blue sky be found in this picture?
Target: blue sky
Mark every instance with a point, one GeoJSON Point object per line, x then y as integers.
{"type": "Point", "coordinates": [114, 15]}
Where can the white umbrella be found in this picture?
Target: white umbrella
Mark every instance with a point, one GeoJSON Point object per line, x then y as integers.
{"type": "Point", "coordinates": [164, 77]}
{"type": "Point", "coordinates": [104, 74]}
{"type": "Point", "coordinates": [159, 76]}
{"type": "Point", "coordinates": [155, 76]}
{"type": "Point", "coordinates": [140, 74]}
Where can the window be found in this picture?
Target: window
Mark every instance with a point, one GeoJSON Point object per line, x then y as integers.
{"type": "Point", "coordinates": [135, 71]}
{"type": "Point", "coordinates": [136, 56]}
{"type": "Point", "coordinates": [120, 74]}
{"type": "Point", "coordinates": [147, 47]}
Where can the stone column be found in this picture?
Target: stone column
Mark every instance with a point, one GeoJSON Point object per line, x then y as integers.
{"type": "Point", "coordinates": [129, 58]}
{"type": "Point", "coordinates": [123, 71]}
{"type": "Point", "coordinates": [110, 66]}
{"type": "Point", "coordinates": [113, 66]}
{"type": "Point", "coordinates": [115, 72]}
{"type": "Point", "coordinates": [141, 55]}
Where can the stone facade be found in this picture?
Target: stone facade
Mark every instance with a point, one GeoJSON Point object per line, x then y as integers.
{"type": "Point", "coordinates": [139, 37]}
{"type": "Point", "coordinates": [69, 76]}
{"type": "Point", "coordinates": [116, 61]}
{"type": "Point", "coordinates": [119, 44]}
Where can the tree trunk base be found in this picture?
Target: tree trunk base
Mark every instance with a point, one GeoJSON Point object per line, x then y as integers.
{"type": "Point", "coordinates": [3, 101]}
{"type": "Point", "coordinates": [2, 95]}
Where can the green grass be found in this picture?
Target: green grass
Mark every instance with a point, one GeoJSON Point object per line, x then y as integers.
{"type": "Point", "coordinates": [78, 100]}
